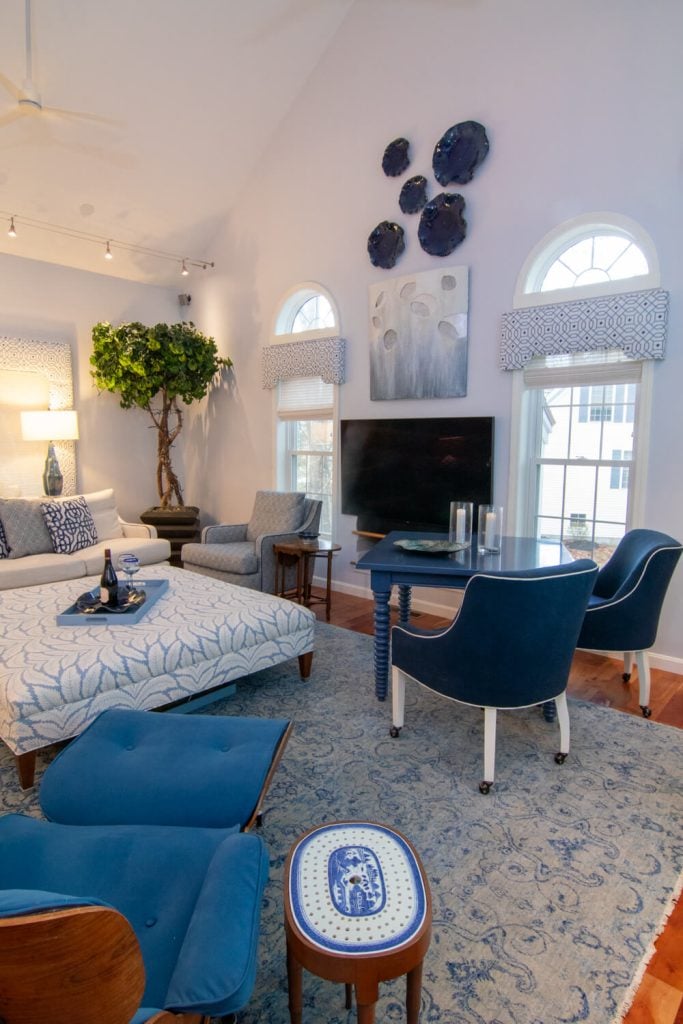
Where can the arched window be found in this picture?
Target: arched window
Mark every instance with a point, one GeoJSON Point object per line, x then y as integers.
{"type": "Point", "coordinates": [305, 409]}
{"type": "Point", "coordinates": [580, 418]}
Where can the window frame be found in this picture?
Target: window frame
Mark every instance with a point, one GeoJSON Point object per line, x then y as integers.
{"type": "Point", "coordinates": [526, 402]}
{"type": "Point", "coordinates": [283, 320]}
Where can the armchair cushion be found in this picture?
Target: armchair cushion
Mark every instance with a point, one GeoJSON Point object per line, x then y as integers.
{"type": "Point", "coordinates": [239, 557]}
{"type": "Point", "coordinates": [158, 877]}
{"type": "Point", "coordinates": [276, 512]}
{"type": "Point", "coordinates": [216, 967]}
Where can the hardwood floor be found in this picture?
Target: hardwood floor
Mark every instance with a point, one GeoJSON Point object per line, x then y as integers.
{"type": "Point", "coordinates": [659, 999]}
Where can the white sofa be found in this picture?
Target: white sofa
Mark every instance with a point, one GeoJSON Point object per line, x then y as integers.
{"type": "Point", "coordinates": [112, 532]}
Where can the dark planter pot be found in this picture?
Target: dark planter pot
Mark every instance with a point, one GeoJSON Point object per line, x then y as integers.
{"type": "Point", "coordinates": [178, 525]}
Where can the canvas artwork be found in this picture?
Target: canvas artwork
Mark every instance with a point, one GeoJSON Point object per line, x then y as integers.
{"type": "Point", "coordinates": [418, 335]}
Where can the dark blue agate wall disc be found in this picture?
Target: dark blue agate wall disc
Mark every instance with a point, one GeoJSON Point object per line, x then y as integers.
{"type": "Point", "coordinates": [442, 225]}
{"type": "Point", "coordinates": [385, 244]}
{"type": "Point", "coordinates": [413, 194]}
{"type": "Point", "coordinates": [459, 152]}
{"type": "Point", "coordinates": [396, 159]}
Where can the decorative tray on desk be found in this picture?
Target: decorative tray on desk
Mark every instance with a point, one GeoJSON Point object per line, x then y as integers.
{"type": "Point", "coordinates": [133, 604]}
{"type": "Point", "coordinates": [429, 547]}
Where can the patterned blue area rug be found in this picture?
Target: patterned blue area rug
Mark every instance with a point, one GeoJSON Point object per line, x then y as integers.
{"type": "Point", "coordinates": [547, 893]}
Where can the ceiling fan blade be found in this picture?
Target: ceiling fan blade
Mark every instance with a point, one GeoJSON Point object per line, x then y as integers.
{"type": "Point", "coordinates": [12, 89]}
{"type": "Point", "coordinates": [11, 116]}
{"type": "Point", "coordinates": [80, 116]}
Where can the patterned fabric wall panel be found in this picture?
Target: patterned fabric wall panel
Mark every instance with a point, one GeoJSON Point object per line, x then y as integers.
{"type": "Point", "coordinates": [635, 322]}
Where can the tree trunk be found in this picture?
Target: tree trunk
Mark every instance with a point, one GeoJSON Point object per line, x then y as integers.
{"type": "Point", "coordinates": [168, 485]}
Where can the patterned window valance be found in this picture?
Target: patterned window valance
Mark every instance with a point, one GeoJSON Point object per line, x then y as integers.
{"type": "Point", "coordinates": [319, 357]}
{"type": "Point", "coordinates": [635, 322]}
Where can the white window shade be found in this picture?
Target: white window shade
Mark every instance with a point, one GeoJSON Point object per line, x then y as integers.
{"type": "Point", "coordinates": [304, 398]}
{"type": "Point", "coordinates": [582, 369]}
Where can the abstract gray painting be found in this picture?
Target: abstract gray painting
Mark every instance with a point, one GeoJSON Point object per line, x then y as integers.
{"type": "Point", "coordinates": [418, 335]}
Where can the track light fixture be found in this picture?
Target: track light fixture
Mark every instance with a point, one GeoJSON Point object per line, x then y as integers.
{"type": "Point", "coordinates": [184, 262]}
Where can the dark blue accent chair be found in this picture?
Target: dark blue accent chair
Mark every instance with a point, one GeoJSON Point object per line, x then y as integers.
{"type": "Point", "coordinates": [510, 646]}
{"type": "Point", "coordinates": [192, 897]}
{"type": "Point", "coordinates": [624, 608]}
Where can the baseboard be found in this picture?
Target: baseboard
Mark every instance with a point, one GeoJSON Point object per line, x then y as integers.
{"type": "Point", "coordinates": [665, 662]}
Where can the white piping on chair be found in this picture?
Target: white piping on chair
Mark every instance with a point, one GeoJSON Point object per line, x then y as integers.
{"type": "Point", "coordinates": [489, 576]}
{"type": "Point", "coordinates": [609, 603]}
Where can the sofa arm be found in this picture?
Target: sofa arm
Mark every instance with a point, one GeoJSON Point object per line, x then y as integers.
{"type": "Point", "coordinates": [222, 533]}
{"type": "Point", "coordinates": [137, 529]}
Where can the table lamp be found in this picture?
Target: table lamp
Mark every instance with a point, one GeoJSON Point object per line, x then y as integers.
{"type": "Point", "coordinates": [50, 425]}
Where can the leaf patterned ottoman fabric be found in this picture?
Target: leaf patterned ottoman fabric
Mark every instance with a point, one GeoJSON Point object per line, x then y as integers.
{"type": "Point", "coordinates": [4, 547]}
{"type": "Point", "coordinates": [70, 525]}
{"type": "Point", "coordinates": [200, 634]}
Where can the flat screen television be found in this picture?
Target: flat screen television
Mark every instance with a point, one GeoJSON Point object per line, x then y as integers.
{"type": "Point", "coordinates": [403, 473]}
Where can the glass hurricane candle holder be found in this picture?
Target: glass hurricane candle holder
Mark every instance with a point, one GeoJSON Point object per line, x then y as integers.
{"type": "Point", "coordinates": [489, 528]}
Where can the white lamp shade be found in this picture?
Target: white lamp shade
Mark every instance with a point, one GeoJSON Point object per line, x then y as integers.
{"type": "Point", "coordinates": [50, 425]}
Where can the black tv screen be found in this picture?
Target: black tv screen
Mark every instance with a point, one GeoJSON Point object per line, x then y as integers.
{"type": "Point", "coordinates": [404, 473]}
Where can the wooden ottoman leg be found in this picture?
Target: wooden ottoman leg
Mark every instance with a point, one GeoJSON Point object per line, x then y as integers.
{"type": "Point", "coordinates": [349, 996]}
{"type": "Point", "coordinates": [305, 664]}
{"type": "Point", "coordinates": [26, 768]}
{"type": "Point", "coordinates": [413, 994]}
{"type": "Point", "coordinates": [294, 983]}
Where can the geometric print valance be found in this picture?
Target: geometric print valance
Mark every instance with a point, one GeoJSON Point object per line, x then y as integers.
{"type": "Point", "coordinates": [318, 357]}
{"type": "Point", "coordinates": [635, 322]}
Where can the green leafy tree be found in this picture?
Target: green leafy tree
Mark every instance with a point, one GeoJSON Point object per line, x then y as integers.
{"type": "Point", "coordinates": [156, 368]}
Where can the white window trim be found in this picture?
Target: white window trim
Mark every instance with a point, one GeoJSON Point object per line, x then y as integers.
{"type": "Point", "coordinates": [287, 308]}
{"type": "Point", "coordinates": [556, 241]}
{"type": "Point", "coordinates": [522, 444]}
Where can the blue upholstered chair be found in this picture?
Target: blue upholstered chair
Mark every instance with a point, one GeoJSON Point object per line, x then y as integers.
{"type": "Point", "coordinates": [159, 768]}
{"type": "Point", "coordinates": [623, 610]}
{"type": "Point", "coordinates": [191, 896]}
{"type": "Point", "coordinates": [510, 646]}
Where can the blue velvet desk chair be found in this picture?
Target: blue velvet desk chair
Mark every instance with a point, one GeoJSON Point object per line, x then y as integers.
{"type": "Point", "coordinates": [184, 940]}
{"type": "Point", "coordinates": [510, 646]}
{"type": "Point", "coordinates": [624, 608]}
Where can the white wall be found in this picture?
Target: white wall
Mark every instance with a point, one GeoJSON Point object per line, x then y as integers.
{"type": "Point", "coordinates": [51, 303]}
{"type": "Point", "coordinates": [581, 103]}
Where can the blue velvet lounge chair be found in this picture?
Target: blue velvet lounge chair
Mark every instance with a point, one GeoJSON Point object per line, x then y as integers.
{"type": "Point", "coordinates": [510, 646]}
{"type": "Point", "coordinates": [184, 940]}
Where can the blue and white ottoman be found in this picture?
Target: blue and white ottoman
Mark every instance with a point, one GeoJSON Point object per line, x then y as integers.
{"type": "Point", "coordinates": [358, 911]}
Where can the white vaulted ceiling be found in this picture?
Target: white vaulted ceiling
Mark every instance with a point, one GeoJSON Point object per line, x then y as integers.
{"type": "Point", "coordinates": [183, 96]}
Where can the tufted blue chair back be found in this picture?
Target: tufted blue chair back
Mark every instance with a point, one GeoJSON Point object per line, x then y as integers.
{"type": "Point", "coordinates": [512, 642]}
{"type": "Point", "coordinates": [623, 611]}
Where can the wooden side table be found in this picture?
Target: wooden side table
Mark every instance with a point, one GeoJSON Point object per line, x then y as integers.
{"type": "Point", "coordinates": [300, 553]}
{"type": "Point", "coordinates": [358, 911]}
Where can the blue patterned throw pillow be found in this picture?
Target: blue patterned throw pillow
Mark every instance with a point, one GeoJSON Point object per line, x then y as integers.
{"type": "Point", "coordinates": [4, 546]}
{"type": "Point", "coordinates": [70, 525]}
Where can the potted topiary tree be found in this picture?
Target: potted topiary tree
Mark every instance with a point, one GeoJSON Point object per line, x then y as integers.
{"type": "Point", "coordinates": [156, 368]}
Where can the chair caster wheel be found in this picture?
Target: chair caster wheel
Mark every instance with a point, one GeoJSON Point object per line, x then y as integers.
{"type": "Point", "coordinates": [626, 677]}
{"type": "Point", "coordinates": [560, 758]}
{"type": "Point", "coordinates": [394, 731]}
{"type": "Point", "coordinates": [646, 711]}
{"type": "Point", "coordinates": [485, 787]}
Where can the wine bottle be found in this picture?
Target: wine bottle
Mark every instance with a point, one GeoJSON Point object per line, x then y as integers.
{"type": "Point", "coordinates": [109, 584]}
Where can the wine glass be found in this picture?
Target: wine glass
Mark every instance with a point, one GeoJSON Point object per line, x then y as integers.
{"type": "Point", "coordinates": [129, 564]}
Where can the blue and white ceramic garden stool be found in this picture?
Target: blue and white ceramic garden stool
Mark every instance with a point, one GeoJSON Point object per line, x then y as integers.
{"type": "Point", "coordinates": [357, 910]}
